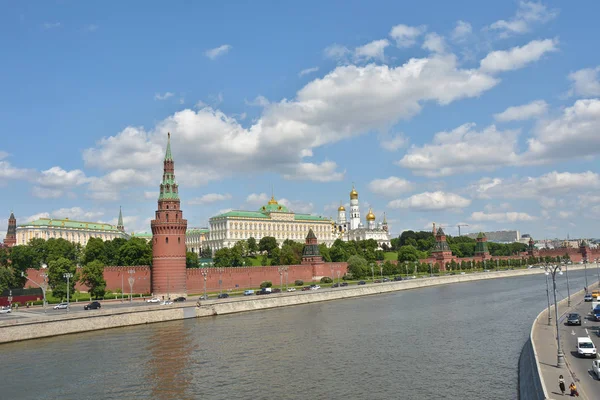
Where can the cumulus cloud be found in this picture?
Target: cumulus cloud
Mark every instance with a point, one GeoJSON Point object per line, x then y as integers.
{"type": "Point", "coordinates": [517, 57]}
{"type": "Point", "coordinates": [336, 52]}
{"type": "Point", "coordinates": [393, 142]}
{"type": "Point", "coordinates": [462, 150]}
{"type": "Point", "coordinates": [405, 36]}
{"type": "Point", "coordinates": [502, 217]}
{"type": "Point", "coordinates": [391, 186]}
{"type": "Point", "coordinates": [9, 172]}
{"type": "Point", "coordinates": [431, 201]}
{"type": "Point", "coordinates": [260, 199]}
{"type": "Point", "coordinates": [37, 216]}
{"type": "Point", "coordinates": [209, 198]}
{"type": "Point", "coordinates": [373, 50]}
{"type": "Point", "coordinates": [528, 14]}
{"type": "Point", "coordinates": [164, 96]}
{"type": "Point", "coordinates": [257, 199]}
{"type": "Point", "coordinates": [585, 82]}
{"type": "Point", "coordinates": [77, 214]}
{"type": "Point", "coordinates": [217, 52]}
{"type": "Point", "coordinates": [308, 71]}
{"type": "Point", "coordinates": [323, 172]}
{"type": "Point", "coordinates": [434, 43]}
{"type": "Point", "coordinates": [534, 109]}
{"type": "Point", "coordinates": [461, 31]}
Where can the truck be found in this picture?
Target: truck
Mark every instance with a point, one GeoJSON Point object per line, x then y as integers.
{"type": "Point", "coordinates": [595, 305]}
{"type": "Point", "coordinates": [596, 312]}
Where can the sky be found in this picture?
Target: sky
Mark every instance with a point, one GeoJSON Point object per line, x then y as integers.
{"type": "Point", "coordinates": [483, 114]}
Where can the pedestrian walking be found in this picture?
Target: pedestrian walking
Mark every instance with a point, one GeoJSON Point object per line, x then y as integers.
{"type": "Point", "coordinates": [561, 384]}
{"type": "Point", "coordinates": [573, 389]}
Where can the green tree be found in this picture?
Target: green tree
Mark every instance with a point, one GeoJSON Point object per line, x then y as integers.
{"type": "Point", "coordinates": [111, 249]}
{"type": "Point", "coordinates": [275, 256]}
{"type": "Point", "coordinates": [94, 250]}
{"type": "Point", "coordinates": [357, 266]}
{"type": "Point", "coordinates": [408, 253]}
{"type": "Point", "coordinates": [135, 252]}
{"type": "Point", "coordinates": [268, 244]}
{"type": "Point", "coordinates": [39, 252]}
{"type": "Point", "coordinates": [338, 251]}
{"type": "Point", "coordinates": [237, 254]}
{"type": "Point", "coordinates": [60, 248]}
{"type": "Point", "coordinates": [324, 250]}
{"type": "Point", "coordinates": [21, 258]}
{"type": "Point", "coordinates": [6, 278]}
{"type": "Point", "coordinates": [191, 260]}
{"type": "Point", "coordinates": [206, 252]}
{"type": "Point", "coordinates": [291, 253]}
{"type": "Point", "coordinates": [92, 275]}
{"type": "Point", "coordinates": [56, 270]}
{"type": "Point", "coordinates": [252, 246]}
{"type": "Point", "coordinates": [222, 258]}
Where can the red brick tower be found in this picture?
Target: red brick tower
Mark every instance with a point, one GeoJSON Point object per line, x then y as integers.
{"type": "Point", "coordinates": [441, 251]}
{"type": "Point", "coordinates": [168, 236]}
{"type": "Point", "coordinates": [11, 233]}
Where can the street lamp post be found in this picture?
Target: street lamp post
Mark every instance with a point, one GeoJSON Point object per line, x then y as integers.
{"type": "Point", "coordinates": [406, 267]}
{"type": "Point", "coordinates": [220, 271]}
{"type": "Point", "coordinates": [43, 286]}
{"type": "Point", "coordinates": [560, 357]}
{"type": "Point", "coordinates": [339, 273]}
{"type": "Point", "coordinates": [585, 268]}
{"type": "Point", "coordinates": [416, 268]}
{"type": "Point", "coordinates": [286, 278]}
{"type": "Point", "coordinates": [281, 270]}
{"type": "Point", "coordinates": [204, 273]}
{"type": "Point", "coordinates": [372, 272]}
{"type": "Point", "coordinates": [430, 270]}
{"type": "Point", "coordinates": [122, 287]}
{"type": "Point", "coordinates": [548, 296]}
{"type": "Point", "coordinates": [131, 280]}
{"type": "Point", "coordinates": [68, 275]}
{"type": "Point", "coordinates": [381, 272]}
{"type": "Point", "coordinates": [568, 289]}
{"type": "Point", "coordinates": [497, 262]}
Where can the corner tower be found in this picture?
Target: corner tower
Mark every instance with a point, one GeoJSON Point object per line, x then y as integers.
{"type": "Point", "coordinates": [168, 236]}
{"type": "Point", "coordinates": [11, 233]}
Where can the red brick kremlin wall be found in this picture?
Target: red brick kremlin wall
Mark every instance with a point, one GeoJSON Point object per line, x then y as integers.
{"type": "Point", "coordinates": [237, 277]}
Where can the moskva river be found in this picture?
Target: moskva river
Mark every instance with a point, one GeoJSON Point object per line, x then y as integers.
{"type": "Point", "coordinates": [459, 341]}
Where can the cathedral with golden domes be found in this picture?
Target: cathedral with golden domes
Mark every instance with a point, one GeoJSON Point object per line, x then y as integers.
{"type": "Point", "coordinates": [353, 229]}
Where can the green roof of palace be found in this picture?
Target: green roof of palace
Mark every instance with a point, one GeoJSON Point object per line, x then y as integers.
{"type": "Point", "coordinates": [142, 234]}
{"type": "Point", "coordinates": [67, 223]}
{"type": "Point", "coordinates": [196, 230]}
{"type": "Point", "coordinates": [274, 208]}
{"type": "Point", "coordinates": [265, 215]}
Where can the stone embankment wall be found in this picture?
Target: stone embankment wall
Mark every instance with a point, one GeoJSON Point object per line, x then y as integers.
{"type": "Point", "coordinates": [30, 328]}
{"type": "Point", "coordinates": [530, 378]}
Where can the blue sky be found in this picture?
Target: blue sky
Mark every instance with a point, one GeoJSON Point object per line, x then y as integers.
{"type": "Point", "coordinates": [483, 113]}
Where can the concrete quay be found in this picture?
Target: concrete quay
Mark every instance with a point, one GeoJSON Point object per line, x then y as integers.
{"type": "Point", "coordinates": [41, 325]}
{"type": "Point", "coordinates": [544, 348]}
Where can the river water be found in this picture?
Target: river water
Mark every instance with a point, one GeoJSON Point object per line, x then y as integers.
{"type": "Point", "coordinates": [459, 341]}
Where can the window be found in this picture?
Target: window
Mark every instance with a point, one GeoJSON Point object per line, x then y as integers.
{"type": "Point", "coordinates": [167, 206]}
{"type": "Point", "coordinates": [167, 217]}
{"type": "Point", "coordinates": [179, 240]}
{"type": "Point", "coordinates": [167, 240]}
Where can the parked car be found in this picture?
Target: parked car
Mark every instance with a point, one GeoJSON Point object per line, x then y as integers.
{"type": "Point", "coordinates": [315, 287]}
{"type": "Point", "coordinates": [305, 288]}
{"type": "Point", "coordinates": [397, 278]}
{"type": "Point", "coordinates": [248, 292]}
{"type": "Point", "coordinates": [222, 296]}
{"type": "Point", "coordinates": [362, 282]}
{"type": "Point", "coordinates": [344, 284]}
{"type": "Point", "coordinates": [153, 300]}
{"type": "Point", "coordinates": [166, 302]}
{"type": "Point", "coordinates": [5, 310]}
{"type": "Point", "coordinates": [94, 305]}
{"type": "Point", "coordinates": [291, 289]}
{"type": "Point", "coordinates": [573, 319]}
{"type": "Point", "coordinates": [596, 368]}
{"type": "Point", "coordinates": [276, 290]}
{"type": "Point", "coordinates": [60, 306]}
{"type": "Point", "coordinates": [588, 297]}
{"type": "Point", "coordinates": [335, 285]}
{"type": "Point", "coordinates": [377, 280]}
{"type": "Point", "coordinates": [179, 299]}
{"type": "Point", "coordinates": [203, 297]}
{"type": "Point", "coordinates": [386, 279]}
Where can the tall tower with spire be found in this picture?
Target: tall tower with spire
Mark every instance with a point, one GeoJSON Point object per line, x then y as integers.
{"type": "Point", "coordinates": [168, 236]}
{"type": "Point", "coordinates": [120, 225]}
{"type": "Point", "coordinates": [341, 220]}
{"type": "Point", "coordinates": [11, 233]}
{"type": "Point", "coordinates": [354, 210]}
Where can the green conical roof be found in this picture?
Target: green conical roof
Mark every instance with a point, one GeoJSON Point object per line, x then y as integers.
{"type": "Point", "coordinates": [120, 222]}
{"type": "Point", "coordinates": [440, 232]}
{"type": "Point", "coordinates": [311, 234]}
{"type": "Point", "coordinates": [168, 156]}
{"type": "Point", "coordinates": [481, 235]}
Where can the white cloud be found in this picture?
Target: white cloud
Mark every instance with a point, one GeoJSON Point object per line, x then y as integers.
{"type": "Point", "coordinates": [209, 198]}
{"type": "Point", "coordinates": [534, 109]}
{"type": "Point", "coordinates": [52, 25]}
{"type": "Point", "coordinates": [308, 71]}
{"type": "Point", "coordinates": [299, 207]}
{"type": "Point", "coordinates": [527, 14]}
{"type": "Point", "coordinates": [373, 50]}
{"type": "Point", "coordinates": [585, 82]}
{"type": "Point", "coordinates": [165, 96]}
{"type": "Point", "coordinates": [218, 51]}
{"type": "Point", "coordinates": [565, 214]}
{"type": "Point", "coordinates": [46, 193]}
{"type": "Point", "coordinates": [517, 57]}
{"type": "Point", "coordinates": [58, 177]}
{"type": "Point", "coordinates": [461, 31]}
{"type": "Point", "coordinates": [405, 36]}
{"type": "Point", "coordinates": [574, 134]}
{"type": "Point", "coordinates": [257, 199]}
{"type": "Point", "coordinates": [434, 43]}
{"type": "Point", "coordinates": [502, 217]}
{"type": "Point", "coordinates": [77, 214]}
{"type": "Point", "coordinates": [151, 195]}
{"type": "Point", "coordinates": [393, 142]}
{"type": "Point", "coordinates": [462, 150]}
{"type": "Point", "coordinates": [8, 172]}
{"type": "Point", "coordinates": [259, 101]}
{"type": "Point", "coordinates": [391, 186]}
{"type": "Point", "coordinates": [431, 201]}
{"type": "Point", "coordinates": [552, 183]}
{"type": "Point", "coordinates": [224, 210]}
{"type": "Point", "coordinates": [37, 216]}
{"type": "Point", "coordinates": [323, 172]}
{"type": "Point", "coordinates": [336, 52]}
{"type": "Point", "coordinates": [107, 187]}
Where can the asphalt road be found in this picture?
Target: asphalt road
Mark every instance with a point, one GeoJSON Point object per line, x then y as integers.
{"type": "Point", "coordinates": [581, 367]}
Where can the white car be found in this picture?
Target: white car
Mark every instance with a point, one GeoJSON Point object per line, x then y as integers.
{"type": "Point", "coordinates": [5, 310]}
{"type": "Point", "coordinates": [596, 368]}
{"type": "Point", "coordinates": [153, 300]}
{"type": "Point", "coordinates": [315, 287]}
{"type": "Point", "coordinates": [60, 306]}
{"type": "Point", "coordinates": [166, 303]}
{"type": "Point", "coordinates": [586, 348]}
{"type": "Point", "coordinates": [291, 289]}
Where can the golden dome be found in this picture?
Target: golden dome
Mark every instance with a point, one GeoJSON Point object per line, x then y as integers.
{"type": "Point", "coordinates": [341, 208]}
{"type": "Point", "coordinates": [370, 216]}
{"type": "Point", "coordinates": [353, 194]}
{"type": "Point", "coordinates": [272, 201]}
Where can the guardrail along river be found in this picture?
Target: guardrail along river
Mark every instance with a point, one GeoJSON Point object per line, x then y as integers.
{"type": "Point", "coordinates": [458, 341]}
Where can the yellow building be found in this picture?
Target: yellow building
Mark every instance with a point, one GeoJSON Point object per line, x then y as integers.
{"type": "Point", "coordinates": [272, 219]}
{"type": "Point", "coordinates": [196, 239]}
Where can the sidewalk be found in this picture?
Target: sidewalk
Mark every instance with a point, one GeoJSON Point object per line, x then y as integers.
{"type": "Point", "coordinates": [544, 342]}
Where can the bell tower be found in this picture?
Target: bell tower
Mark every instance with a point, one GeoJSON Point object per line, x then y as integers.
{"type": "Point", "coordinates": [168, 236]}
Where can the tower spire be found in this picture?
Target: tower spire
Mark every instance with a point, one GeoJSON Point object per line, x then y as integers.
{"type": "Point", "coordinates": [168, 156]}
{"type": "Point", "coordinates": [120, 222]}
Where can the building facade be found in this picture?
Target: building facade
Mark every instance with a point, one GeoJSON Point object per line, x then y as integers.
{"type": "Point", "coordinates": [272, 219]}
{"type": "Point", "coordinates": [168, 236]}
{"type": "Point", "coordinates": [11, 233]}
{"type": "Point", "coordinates": [78, 232]}
{"type": "Point", "coordinates": [196, 239]}
{"type": "Point", "coordinates": [354, 229]}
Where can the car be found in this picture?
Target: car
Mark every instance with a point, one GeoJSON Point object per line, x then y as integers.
{"type": "Point", "coordinates": [573, 319]}
{"type": "Point", "coordinates": [248, 292]}
{"type": "Point", "coordinates": [315, 287]}
{"type": "Point", "coordinates": [60, 306]}
{"type": "Point", "coordinates": [94, 305]}
{"type": "Point", "coordinates": [362, 282]}
{"type": "Point", "coordinates": [335, 285]}
{"type": "Point", "coordinates": [386, 279]}
{"type": "Point", "coordinates": [305, 288]}
{"type": "Point", "coordinates": [397, 278]}
{"type": "Point", "coordinates": [344, 284]}
{"type": "Point", "coordinates": [377, 280]}
{"type": "Point", "coordinates": [166, 302]}
{"type": "Point", "coordinates": [596, 368]}
{"type": "Point", "coordinates": [203, 297]}
{"type": "Point", "coordinates": [222, 296]}
{"type": "Point", "coordinates": [5, 310]}
{"type": "Point", "coordinates": [588, 297]}
{"type": "Point", "coordinates": [179, 299]}
{"type": "Point", "coordinates": [276, 290]}
{"type": "Point", "coordinates": [291, 289]}
{"type": "Point", "coordinates": [585, 347]}
{"type": "Point", "coordinates": [153, 300]}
